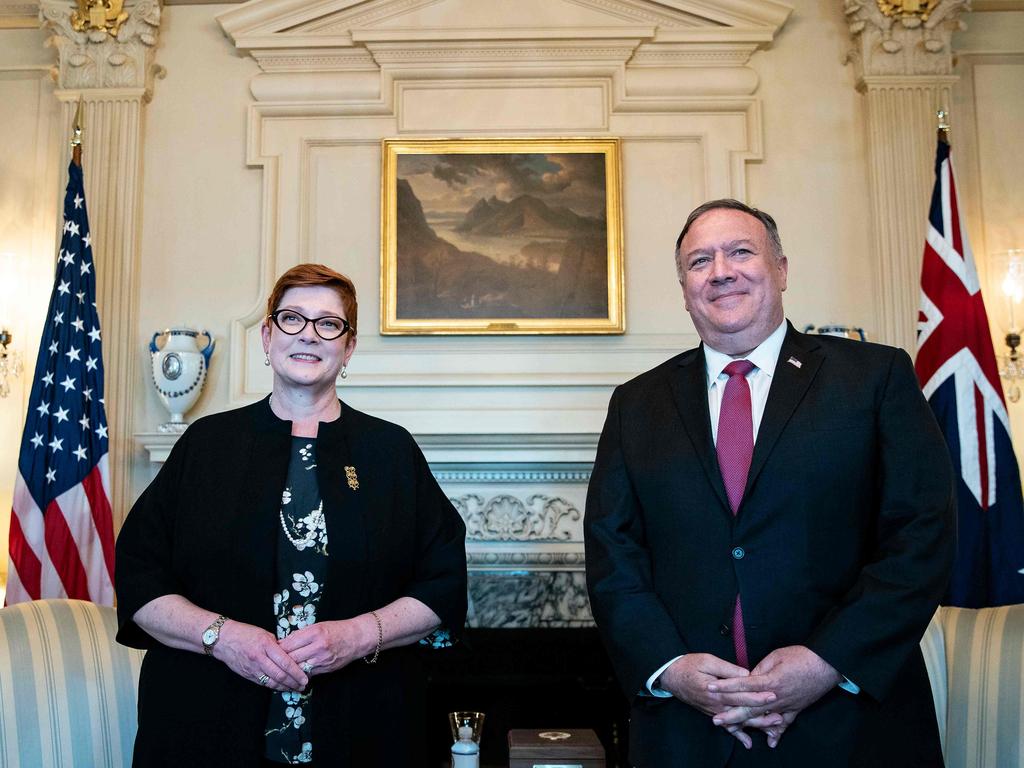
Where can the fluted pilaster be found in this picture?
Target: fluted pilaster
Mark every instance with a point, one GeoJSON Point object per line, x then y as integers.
{"type": "Point", "coordinates": [113, 78]}
{"type": "Point", "coordinates": [903, 61]}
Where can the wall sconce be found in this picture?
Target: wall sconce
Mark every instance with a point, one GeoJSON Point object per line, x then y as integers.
{"type": "Point", "coordinates": [10, 284]}
{"type": "Point", "coordinates": [1009, 266]}
{"type": "Point", "coordinates": [10, 362]}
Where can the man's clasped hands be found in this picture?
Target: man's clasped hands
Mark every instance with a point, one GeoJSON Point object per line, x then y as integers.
{"type": "Point", "coordinates": [767, 698]}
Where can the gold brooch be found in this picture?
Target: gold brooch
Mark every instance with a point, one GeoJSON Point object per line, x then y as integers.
{"type": "Point", "coordinates": [353, 481]}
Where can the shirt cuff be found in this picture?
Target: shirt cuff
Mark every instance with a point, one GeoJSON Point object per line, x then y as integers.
{"type": "Point", "coordinates": [652, 688]}
{"type": "Point", "coordinates": [848, 685]}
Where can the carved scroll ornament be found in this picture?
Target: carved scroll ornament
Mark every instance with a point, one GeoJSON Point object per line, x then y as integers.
{"type": "Point", "coordinates": [507, 518]}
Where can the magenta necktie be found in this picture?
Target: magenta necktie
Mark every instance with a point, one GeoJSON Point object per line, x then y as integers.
{"type": "Point", "coordinates": [735, 447]}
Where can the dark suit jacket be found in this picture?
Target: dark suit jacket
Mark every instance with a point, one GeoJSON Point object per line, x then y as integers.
{"type": "Point", "coordinates": [206, 528]}
{"type": "Point", "coordinates": [847, 542]}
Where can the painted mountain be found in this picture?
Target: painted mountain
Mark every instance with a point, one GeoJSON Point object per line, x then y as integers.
{"type": "Point", "coordinates": [530, 260]}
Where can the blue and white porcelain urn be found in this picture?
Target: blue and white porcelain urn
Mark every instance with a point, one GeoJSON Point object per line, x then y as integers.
{"type": "Point", "coordinates": [179, 371]}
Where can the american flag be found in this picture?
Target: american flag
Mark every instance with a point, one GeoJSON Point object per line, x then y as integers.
{"type": "Point", "coordinates": [62, 533]}
{"type": "Point", "coordinates": [956, 366]}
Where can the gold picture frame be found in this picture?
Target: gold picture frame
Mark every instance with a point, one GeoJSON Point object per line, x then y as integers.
{"type": "Point", "coordinates": [501, 237]}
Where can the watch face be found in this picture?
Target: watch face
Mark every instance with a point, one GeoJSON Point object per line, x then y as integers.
{"type": "Point", "coordinates": [210, 637]}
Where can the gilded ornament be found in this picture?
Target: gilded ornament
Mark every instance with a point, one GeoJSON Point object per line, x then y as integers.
{"type": "Point", "coordinates": [105, 15]}
{"type": "Point", "coordinates": [353, 480]}
{"type": "Point", "coordinates": [905, 9]}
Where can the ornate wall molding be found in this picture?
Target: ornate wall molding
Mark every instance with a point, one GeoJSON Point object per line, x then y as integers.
{"type": "Point", "coordinates": [93, 58]}
{"type": "Point", "coordinates": [903, 65]}
{"type": "Point", "coordinates": [505, 517]}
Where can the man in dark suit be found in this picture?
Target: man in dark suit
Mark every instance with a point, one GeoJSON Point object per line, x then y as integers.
{"type": "Point", "coordinates": [769, 530]}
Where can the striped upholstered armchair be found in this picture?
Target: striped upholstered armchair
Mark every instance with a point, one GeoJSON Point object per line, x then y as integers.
{"type": "Point", "coordinates": [976, 663]}
{"type": "Point", "coordinates": [67, 690]}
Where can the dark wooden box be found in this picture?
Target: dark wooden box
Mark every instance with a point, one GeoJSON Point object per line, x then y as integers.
{"type": "Point", "coordinates": [555, 748]}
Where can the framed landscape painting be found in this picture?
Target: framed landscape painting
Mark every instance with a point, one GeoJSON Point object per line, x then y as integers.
{"type": "Point", "coordinates": [501, 236]}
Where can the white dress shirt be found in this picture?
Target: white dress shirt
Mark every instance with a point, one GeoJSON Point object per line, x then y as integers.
{"type": "Point", "coordinates": [765, 356]}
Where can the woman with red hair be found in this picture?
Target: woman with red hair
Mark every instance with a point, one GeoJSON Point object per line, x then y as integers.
{"type": "Point", "coordinates": [283, 563]}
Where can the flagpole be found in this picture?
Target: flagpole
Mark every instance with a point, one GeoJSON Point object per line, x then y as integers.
{"type": "Point", "coordinates": [943, 125]}
{"type": "Point", "coordinates": [76, 137]}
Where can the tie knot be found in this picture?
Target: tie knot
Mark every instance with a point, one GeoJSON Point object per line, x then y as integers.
{"type": "Point", "coordinates": [739, 368]}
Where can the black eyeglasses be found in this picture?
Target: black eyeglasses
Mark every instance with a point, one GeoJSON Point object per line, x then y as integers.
{"type": "Point", "coordinates": [293, 323]}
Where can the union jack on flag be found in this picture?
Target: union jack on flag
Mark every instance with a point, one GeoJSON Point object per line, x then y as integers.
{"type": "Point", "coordinates": [62, 532]}
{"type": "Point", "coordinates": [956, 366]}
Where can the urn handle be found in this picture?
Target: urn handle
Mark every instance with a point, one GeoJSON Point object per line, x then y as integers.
{"type": "Point", "coordinates": [153, 348]}
{"type": "Point", "coordinates": [207, 351]}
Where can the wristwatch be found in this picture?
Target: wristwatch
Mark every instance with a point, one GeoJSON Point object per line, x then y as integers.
{"type": "Point", "coordinates": [212, 634]}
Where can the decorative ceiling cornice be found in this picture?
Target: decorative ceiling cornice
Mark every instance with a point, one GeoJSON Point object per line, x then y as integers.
{"type": "Point", "coordinates": [268, 24]}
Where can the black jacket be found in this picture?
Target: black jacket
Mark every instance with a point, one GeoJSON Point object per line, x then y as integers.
{"type": "Point", "coordinates": [206, 528]}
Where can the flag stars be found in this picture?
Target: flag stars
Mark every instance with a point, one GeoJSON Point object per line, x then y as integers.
{"type": "Point", "coordinates": [58, 319]}
{"type": "Point", "coordinates": [43, 408]}
{"type": "Point", "coordinates": [85, 267]}
{"type": "Point", "coordinates": [78, 200]}
{"type": "Point", "coordinates": [84, 421]}
{"type": "Point", "coordinates": [67, 225]}
{"type": "Point", "coordinates": [37, 440]}
{"type": "Point", "coordinates": [53, 348]}
{"type": "Point", "coordinates": [61, 415]}
{"type": "Point", "coordinates": [68, 384]}
{"type": "Point", "coordinates": [73, 228]}
{"type": "Point", "coordinates": [87, 240]}
{"type": "Point", "coordinates": [51, 475]}
{"type": "Point", "coordinates": [90, 364]}
{"type": "Point", "coordinates": [80, 453]}
{"type": "Point", "coordinates": [78, 324]}
{"type": "Point", "coordinates": [67, 258]}
{"type": "Point", "coordinates": [48, 379]}
{"type": "Point", "coordinates": [87, 393]}
{"type": "Point", "coordinates": [64, 287]}
{"type": "Point", "coordinates": [72, 354]}
{"type": "Point", "coordinates": [81, 297]}
{"type": "Point", "coordinates": [101, 430]}
{"type": "Point", "coordinates": [94, 334]}
{"type": "Point", "coordinates": [56, 445]}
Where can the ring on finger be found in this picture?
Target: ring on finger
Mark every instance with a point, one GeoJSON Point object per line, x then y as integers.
{"type": "Point", "coordinates": [262, 679]}
{"type": "Point", "coordinates": [307, 667]}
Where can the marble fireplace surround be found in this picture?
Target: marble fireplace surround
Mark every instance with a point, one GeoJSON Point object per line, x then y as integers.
{"type": "Point", "coordinates": [522, 498]}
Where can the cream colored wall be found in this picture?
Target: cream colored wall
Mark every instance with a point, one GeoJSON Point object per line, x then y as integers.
{"type": "Point", "coordinates": [814, 175]}
{"type": "Point", "coordinates": [28, 225]}
{"type": "Point", "coordinates": [202, 203]}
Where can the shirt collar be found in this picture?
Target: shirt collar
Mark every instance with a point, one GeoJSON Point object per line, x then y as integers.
{"type": "Point", "coordinates": [765, 356]}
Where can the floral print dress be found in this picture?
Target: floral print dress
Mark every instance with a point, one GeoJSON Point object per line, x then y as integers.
{"type": "Point", "coordinates": [301, 566]}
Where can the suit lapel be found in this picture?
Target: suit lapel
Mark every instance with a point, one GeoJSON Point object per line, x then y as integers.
{"type": "Point", "coordinates": [789, 385]}
{"type": "Point", "coordinates": [690, 393]}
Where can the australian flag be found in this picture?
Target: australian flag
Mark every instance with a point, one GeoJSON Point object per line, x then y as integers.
{"type": "Point", "coordinates": [956, 366]}
{"type": "Point", "coordinates": [62, 533]}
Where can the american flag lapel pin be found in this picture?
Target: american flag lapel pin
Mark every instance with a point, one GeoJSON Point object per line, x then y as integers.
{"type": "Point", "coordinates": [794, 362]}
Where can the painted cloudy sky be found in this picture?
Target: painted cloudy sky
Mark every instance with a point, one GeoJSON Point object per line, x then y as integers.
{"type": "Point", "coordinates": [448, 184]}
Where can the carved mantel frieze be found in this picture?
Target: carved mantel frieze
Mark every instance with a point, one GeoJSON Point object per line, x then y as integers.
{"type": "Point", "coordinates": [120, 57]}
{"type": "Point", "coordinates": [903, 38]}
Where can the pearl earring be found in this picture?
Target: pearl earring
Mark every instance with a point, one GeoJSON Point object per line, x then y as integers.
{"type": "Point", "coordinates": [344, 371]}
{"type": "Point", "coordinates": [266, 359]}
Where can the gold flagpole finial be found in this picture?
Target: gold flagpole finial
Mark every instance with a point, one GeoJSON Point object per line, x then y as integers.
{"type": "Point", "coordinates": [942, 116]}
{"type": "Point", "coordinates": [76, 135]}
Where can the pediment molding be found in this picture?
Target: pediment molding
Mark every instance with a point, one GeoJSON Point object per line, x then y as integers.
{"type": "Point", "coordinates": [261, 26]}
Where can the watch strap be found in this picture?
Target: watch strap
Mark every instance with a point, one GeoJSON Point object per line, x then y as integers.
{"type": "Point", "coordinates": [215, 626]}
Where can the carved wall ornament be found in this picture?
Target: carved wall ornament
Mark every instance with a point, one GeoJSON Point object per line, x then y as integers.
{"type": "Point", "coordinates": [102, 15]}
{"type": "Point", "coordinates": [116, 54]}
{"type": "Point", "coordinates": [507, 518]}
{"type": "Point", "coordinates": [903, 37]}
{"type": "Point", "coordinates": [919, 9]}
{"type": "Point", "coordinates": [535, 599]}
